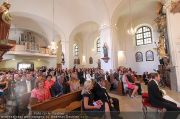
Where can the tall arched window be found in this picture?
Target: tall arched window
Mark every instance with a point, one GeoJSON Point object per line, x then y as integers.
{"type": "Point", "coordinates": [98, 45]}
{"type": "Point", "coordinates": [143, 35]}
{"type": "Point", "coordinates": [76, 50]}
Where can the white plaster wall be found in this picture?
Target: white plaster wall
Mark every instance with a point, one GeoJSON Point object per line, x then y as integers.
{"type": "Point", "coordinates": [77, 40]}
{"type": "Point", "coordinates": [49, 62]}
{"type": "Point", "coordinates": [86, 43]}
{"type": "Point", "coordinates": [66, 51]}
{"type": "Point", "coordinates": [128, 44]}
{"type": "Point", "coordinates": [91, 50]}
{"type": "Point", "coordinates": [106, 38]}
{"type": "Point", "coordinates": [174, 41]}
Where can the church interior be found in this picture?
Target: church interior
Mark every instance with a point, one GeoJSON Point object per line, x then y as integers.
{"type": "Point", "coordinates": [89, 56]}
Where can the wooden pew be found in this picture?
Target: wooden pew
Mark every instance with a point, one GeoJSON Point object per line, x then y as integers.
{"type": "Point", "coordinates": [120, 88]}
{"type": "Point", "coordinates": [68, 102]}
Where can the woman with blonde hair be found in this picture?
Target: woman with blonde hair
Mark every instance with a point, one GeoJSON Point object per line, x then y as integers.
{"type": "Point", "coordinates": [74, 83]}
{"type": "Point", "coordinates": [89, 106]}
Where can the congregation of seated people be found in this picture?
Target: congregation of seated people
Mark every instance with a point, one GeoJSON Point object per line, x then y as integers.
{"type": "Point", "coordinates": [44, 84]}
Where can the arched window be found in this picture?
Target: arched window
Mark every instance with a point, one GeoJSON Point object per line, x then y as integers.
{"type": "Point", "coordinates": [76, 50]}
{"type": "Point", "coordinates": [143, 35]}
{"type": "Point", "coordinates": [98, 45]}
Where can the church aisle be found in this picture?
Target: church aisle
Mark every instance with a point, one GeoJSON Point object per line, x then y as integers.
{"type": "Point", "coordinates": [128, 104]}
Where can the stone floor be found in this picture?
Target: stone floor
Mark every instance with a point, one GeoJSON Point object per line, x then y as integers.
{"type": "Point", "coordinates": [131, 108]}
{"type": "Point", "coordinates": [128, 104]}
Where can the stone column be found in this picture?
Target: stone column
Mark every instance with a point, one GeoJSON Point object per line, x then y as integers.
{"type": "Point", "coordinates": [106, 37]}
{"type": "Point", "coordinates": [59, 53]}
{"type": "Point", "coordinates": [174, 43]}
{"type": "Point", "coordinates": [66, 50]}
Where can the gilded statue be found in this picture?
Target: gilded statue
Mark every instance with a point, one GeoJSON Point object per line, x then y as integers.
{"type": "Point", "coordinates": [5, 20]}
{"type": "Point", "coordinates": [175, 6]}
{"type": "Point", "coordinates": [161, 47]}
{"type": "Point", "coordinates": [159, 8]}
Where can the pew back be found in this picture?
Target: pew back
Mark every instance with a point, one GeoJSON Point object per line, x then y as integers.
{"type": "Point", "coordinates": [120, 88]}
{"type": "Point", "coordinates": [57, 103]}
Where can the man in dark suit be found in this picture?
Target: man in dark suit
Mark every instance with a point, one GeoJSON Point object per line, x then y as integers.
{"type": "Point", "coordinates": [100, 93]}
{"type": "Point", "coordinates": [156, 98]}
{"type": "Point", "coordinates": [57, 89]}
{"type": "Point", "coordinates": [80, 76]}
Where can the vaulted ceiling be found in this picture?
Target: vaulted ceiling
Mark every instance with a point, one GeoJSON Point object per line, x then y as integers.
{"type": "Point", "coordinates": [37, 15]}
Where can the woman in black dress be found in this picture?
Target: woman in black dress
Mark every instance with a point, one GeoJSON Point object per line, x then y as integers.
{"type": "Point", "coordinates": [89, 106]}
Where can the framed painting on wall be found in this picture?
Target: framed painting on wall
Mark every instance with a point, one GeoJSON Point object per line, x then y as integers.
{"type": "Point", "coordinates": [139, 57]}
{"type": "Point", "coordinates": [149, 55]}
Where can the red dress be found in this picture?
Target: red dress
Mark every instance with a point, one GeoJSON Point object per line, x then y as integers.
{"type": "Point", "coordinates": [41, 95]}
{"type": "Point", "coordinates": [130, 85]}
{"type": "Point", "coordinates": [48, 84]}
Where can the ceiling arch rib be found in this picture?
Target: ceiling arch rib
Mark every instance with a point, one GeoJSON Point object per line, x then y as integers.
{"type": "Point", "coordinates": [13, 30]}
{"type": "Point", "coordinates": [88, 28]}
{"type": "Point", "coordinates": [139, 8]}
{"type": "Point", "coordinates": [68, 13]}
{"type": "Point", "coordinates": [36, 24]}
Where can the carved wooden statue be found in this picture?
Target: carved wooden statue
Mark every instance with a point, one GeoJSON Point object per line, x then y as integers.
{"type": "Point", "coordinates": [5, 21]}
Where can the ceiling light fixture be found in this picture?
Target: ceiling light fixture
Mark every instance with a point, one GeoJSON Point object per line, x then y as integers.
{"type": "Point", "coordinates": [131, 30]}
{"type": "Point", "coordinates": [53, 47]}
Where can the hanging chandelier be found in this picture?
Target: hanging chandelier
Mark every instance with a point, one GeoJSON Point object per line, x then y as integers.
{"type": "Point", "coordinates": [131, 30]}
{"type": "Point", "coordinates": [53, 46]}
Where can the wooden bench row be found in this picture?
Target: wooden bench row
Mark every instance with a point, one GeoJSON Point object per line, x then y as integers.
{"type": "Point", "coordinates": [64, 103]}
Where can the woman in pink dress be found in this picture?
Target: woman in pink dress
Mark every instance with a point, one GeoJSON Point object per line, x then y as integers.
{"type": "Point", "coordinates": [40, 93]}
{"type": "Point", "coordinates": [49, 82]}
{"type": "Point", "coordinates": [131, 85]}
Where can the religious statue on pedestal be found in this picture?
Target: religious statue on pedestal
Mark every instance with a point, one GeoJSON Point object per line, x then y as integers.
{"type": "Point", "coordinates": [105, 52]}
{"type": "Point", "coordinates": [161, 47]}
{"type": "Point", "coordinates": [161, 50]}
{"type": "Point", "coordinates": [5, 21]}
